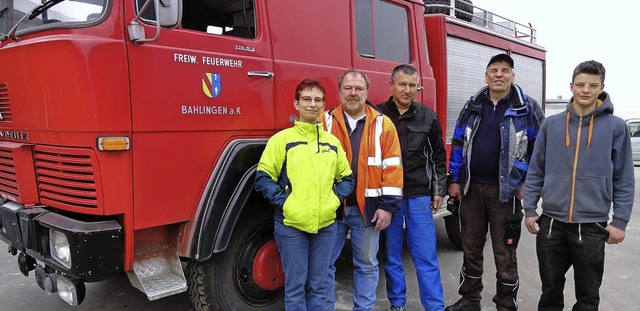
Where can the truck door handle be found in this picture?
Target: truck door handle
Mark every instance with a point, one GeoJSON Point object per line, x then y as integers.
{"type": "Point", "coordinates": [266, 74]}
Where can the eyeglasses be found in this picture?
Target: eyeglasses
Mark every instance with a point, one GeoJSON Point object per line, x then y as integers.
{"type": "Point", "coordinates": [307, 100]}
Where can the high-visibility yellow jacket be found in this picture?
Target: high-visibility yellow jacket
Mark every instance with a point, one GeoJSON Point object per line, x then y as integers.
{"type": "Point", "coordinates": [304, 172]}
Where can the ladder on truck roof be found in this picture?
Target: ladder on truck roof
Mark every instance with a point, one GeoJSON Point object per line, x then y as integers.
{"type": "Point", "coordinates": [466, 11]}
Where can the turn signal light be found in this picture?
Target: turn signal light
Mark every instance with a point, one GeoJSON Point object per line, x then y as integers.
{"type": "Point", "coordinates": [113, 143]}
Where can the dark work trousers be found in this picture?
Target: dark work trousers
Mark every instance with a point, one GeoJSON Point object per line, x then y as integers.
{"type": "Point", "coordinates": [561, 245]}
{"type": "Point", "coordinates": [481, 210]}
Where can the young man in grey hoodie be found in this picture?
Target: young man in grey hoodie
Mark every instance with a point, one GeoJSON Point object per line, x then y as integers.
{"type": "Point", "coordinates": [581, 164]}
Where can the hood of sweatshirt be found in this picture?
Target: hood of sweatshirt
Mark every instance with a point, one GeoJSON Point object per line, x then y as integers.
{"type": "Point", "coordinates": [603, 106]}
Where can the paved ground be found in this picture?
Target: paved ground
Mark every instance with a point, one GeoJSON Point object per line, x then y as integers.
{"type": "Point", "coordinates": [620, 290]}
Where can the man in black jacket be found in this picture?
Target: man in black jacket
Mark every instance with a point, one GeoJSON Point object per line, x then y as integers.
{"type": "Point", "coordinates": [424, 172]}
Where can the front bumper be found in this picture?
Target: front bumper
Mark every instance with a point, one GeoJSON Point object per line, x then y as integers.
{"type": "Point", "coordinates": [95, 248]}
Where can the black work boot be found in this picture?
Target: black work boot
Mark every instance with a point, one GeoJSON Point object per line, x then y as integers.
{"type": "Point", "coordinates": [464, 305]}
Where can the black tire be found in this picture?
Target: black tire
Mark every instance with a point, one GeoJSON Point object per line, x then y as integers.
{"type": "Point", "coordinates": [452, 226]}
{"type": "Point", "coordinates": [465, 6]}
{"type": "Point", "coordinates": [225, 282]}
{"type": "Point", "coordinates": [434, 10]}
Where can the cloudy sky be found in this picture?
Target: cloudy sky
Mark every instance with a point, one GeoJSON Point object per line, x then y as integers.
{"type": "Point", "coordinates": [573, 31]}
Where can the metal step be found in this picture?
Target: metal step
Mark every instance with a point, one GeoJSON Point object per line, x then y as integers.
{"type": "Point", "coordinates": [157, 272]}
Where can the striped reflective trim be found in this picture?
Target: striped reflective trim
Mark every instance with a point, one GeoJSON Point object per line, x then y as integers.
{"type": "Point", "coordinates": [386, 162]}
{"type": "Point", "coordinates": [328, 120]}
{"type": "Point", "coordinates": [392, 191]}
{"type": "Point", "coordinates": [393, 161]}
{"type": "Point", "coordinates": [376, 192]}
{"type": "Point", "coordinates": [376, 160]}
{"type": "Point", "coordinates": [372, 193]}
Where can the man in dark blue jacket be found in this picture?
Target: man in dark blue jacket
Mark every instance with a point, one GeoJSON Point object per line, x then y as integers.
{"type": "Point", "coordinates": [491, 147]}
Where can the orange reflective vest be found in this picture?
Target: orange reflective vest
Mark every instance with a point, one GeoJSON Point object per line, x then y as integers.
{"type": "Point", "coordinates": [379, 180]}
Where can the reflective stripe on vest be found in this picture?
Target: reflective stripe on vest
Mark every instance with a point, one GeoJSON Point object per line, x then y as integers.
{"type": "Point", "coordinates": [328, 120]}
{"type": "Point", "coordinates": [389, 162]}
{"type": "Point", "coordinates": [377, 192]}
{"type": "Point", "coordinates": [376, 160]}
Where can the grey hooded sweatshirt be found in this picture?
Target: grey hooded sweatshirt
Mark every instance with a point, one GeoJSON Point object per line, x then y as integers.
{"type": "Point", "coordinates": [580, 165]}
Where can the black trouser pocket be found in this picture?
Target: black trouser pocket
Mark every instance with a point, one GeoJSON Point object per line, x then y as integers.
{"type": "Point", "coordinates": [512, 230]}
{"type": "Point", "coordinates": [601, 228]}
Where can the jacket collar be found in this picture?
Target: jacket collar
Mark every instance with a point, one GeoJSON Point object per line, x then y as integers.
{"type": "Point", "coordinates": [305, 127]}
{"type": "Point", "coordinates": [517, 99]}
{"type": "Point", "coordinates": [371, 111]}
{"type": "Point", "coordinates": [391, 105]}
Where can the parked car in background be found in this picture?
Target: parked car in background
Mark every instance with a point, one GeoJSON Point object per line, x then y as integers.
{"type": "Point", "coordinates": [634, 131]}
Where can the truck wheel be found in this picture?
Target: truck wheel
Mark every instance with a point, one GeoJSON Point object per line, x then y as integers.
{"type": "Point", "coordinates": [452, 226]}
{"type": "Point", "coordinates": [464, 5]}
{"type": "Point", "coordinates": [235, 279]}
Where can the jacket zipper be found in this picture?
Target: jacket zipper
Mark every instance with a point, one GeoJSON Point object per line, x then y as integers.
{"type": "Point", "coordinates": [575, 167]}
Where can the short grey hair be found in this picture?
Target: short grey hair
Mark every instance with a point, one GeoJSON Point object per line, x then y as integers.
{"type": "Point", "coordinates": [404, 68]}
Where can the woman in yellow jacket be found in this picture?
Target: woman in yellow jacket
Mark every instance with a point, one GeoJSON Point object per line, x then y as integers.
{"type": "Point", "coordinates": [305, 174]}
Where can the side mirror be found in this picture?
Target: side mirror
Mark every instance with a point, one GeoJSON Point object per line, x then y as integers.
{"type": "Point", "coordinates": [168, 14]}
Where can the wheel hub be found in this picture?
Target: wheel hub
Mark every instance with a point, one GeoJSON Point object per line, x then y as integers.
{"type": "Point", "coordinates": [267, 267]}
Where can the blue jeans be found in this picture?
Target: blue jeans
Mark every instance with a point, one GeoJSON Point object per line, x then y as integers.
{"type": "Point", "coordinates": [364, 241]}
{"type": "Point", "coordinates": [305, 263]}
{"type": "Point", "coordinates": [421, 239]}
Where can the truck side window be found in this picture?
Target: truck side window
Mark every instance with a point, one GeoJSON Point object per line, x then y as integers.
{"type": "Point", "coordinates": [234, 18]}
{"type": "Point", "coordinates": [364, 28]}
{"type": "Point", "coordinates": [382, 32]}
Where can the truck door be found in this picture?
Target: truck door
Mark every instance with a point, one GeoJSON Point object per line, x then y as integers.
{"type": "Point", "coordinates": [192, 90]}
{"type": "Point", "coordinates": [386, 36]}
{"type": "Point", "coordinates": [369, 35]}
{"type": "Point", "coordinates": [316, 45]}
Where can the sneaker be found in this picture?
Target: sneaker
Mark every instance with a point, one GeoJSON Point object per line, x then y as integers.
{"type": "Point", "coordinates": [396, 308]}
{"type": "Point", "coordinates": [464, 305]}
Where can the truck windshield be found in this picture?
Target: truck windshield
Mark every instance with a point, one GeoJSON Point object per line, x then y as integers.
{"type": "Point", "coordinates": [70, 13]}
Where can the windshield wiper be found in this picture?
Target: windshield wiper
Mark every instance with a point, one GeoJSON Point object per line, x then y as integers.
{"type": "Point", "coordinates": [35, 12]}
{"type": "Point", "coordinates": [43, 7]}
{"type": "Point", "coordinates": [4, 11]}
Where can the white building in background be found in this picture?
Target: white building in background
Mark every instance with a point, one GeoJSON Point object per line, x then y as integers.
{"type": "Point", "coordinates": [555, 105]}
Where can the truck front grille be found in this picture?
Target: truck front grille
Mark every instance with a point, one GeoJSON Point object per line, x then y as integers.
{"type": "Point", "coordinates": [65, 177]}
{"type": "Point", "coordinates": [5, 106]}
{"type": "Point", "coordinates": [8, 178]}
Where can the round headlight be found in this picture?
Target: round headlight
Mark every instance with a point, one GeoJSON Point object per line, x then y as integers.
{"type": "Point", "coordinates": [60, 249]}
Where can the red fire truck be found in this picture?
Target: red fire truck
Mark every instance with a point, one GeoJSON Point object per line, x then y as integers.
{"type": "Point", "coordinates": [130, 130]}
